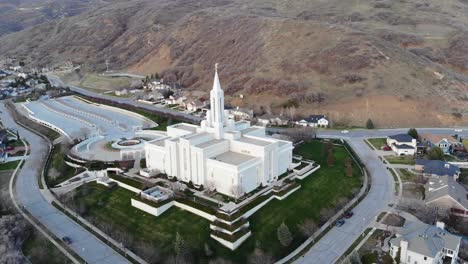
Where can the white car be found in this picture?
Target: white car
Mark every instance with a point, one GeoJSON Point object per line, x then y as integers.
{"type": "Point", "coordinates": [458, 130]}
{"type": "Point", "coordinates": [344, 131]}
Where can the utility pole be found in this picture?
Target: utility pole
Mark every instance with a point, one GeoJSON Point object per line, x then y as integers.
{"type": "Point", "coordinates": [107, 65]}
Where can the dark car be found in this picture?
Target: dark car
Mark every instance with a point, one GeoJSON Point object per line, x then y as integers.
{"type": "Point", "coordinates": [340, 222]}
{"type": "Point", "coordinates": [348, 215]}
{"type": "Point", "coordinates": [67, 240]}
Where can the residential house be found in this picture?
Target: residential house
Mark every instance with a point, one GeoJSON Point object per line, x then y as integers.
{"type": "Point", "coordinates": [239, 113]}
{"type": "Point", "coordinates": [3, 153]}
{"type": "Point", "coordinates": [121, 92]}
{"type": "Point", "coordinates": [446, 194]}
{"type": "Point", "coordinates": [402, 144]}
{"type": "Point", "coordinates": [176, 100]}
{"type": "Point", "coordinates": [314, 121]}
{"type": "Point", "coordinates": [194, 105]}
{"type": "Point", "coordinates": [437, 168]}
{"type": "Point", "coordinates": [3, 74]}
{"type": "Point", "coordinates": [420, 243]}
{"type": "Point", "coordinates": [275, 120]}
{"type": "Point", "coordinates": [444, 142]}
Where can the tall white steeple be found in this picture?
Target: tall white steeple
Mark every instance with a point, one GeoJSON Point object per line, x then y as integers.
{"type": "Point", "coordinates": [216, 116]}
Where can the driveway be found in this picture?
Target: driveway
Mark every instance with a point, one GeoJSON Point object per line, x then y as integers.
{"type": "Point", "coordinates": [86, 245]}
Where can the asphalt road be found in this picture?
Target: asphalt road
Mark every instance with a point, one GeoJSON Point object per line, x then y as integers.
{"type": "Point", "coordinates": [335, 243]}
{"type": "Point", "coordinates": [86, 245]}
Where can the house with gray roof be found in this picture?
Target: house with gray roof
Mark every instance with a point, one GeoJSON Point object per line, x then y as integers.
{"type": "Point", "coordinates": [437, 168]}
{"type": "Point", "coordinates": [420, 243]}
{"type": "Point", "coordinates": [402, 144]}
{"type": "Point", "coordinates": [314, 121]}
{"type": "Point", "coordinates": [445, 193]}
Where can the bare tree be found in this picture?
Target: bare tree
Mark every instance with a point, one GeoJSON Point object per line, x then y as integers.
{"type": "Point", "coordinates": [149, 252]}
{"type": "Point", "coordinates": [307, 227]}
{"type": "Point", "coordinates": [260, 257]}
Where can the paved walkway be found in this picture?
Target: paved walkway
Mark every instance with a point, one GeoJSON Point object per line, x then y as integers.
{"type": "Point", "coordinates": [28, 194]}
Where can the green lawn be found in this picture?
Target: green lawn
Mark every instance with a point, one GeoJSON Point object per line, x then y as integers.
{"type": "Point", "coordinates": [406, 175]}
{"type": "Point", "coordinates": [378, 143]}
{"type": "Point", "coordinates": [320, 190]}
{"type": "Point", "coordinates": [9, 165]}
{"type": "Point", "coordinates": [405, 160]}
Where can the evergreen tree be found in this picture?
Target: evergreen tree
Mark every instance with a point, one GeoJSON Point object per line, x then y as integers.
{"type": "Point", "coordinates": [413, 132]}
{"type": "Point", "coordinates": [436, 154]}
{"type": "Point", "coordinates": [284, 235]}
{"type": "Point", "coordinates": [369, 124]}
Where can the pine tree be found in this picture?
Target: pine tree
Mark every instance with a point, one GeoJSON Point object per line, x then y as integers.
{"type": "Point", "coordinates": [284, 235]}
{"type": "Point", "coordinates": [413, 132]}
{"type": "Point", "coordinates": [369, 124]}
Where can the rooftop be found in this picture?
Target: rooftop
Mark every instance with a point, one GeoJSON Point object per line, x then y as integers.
{"type": "Point", "coordinates": [210, 143]}
{"type": "Point", "coordinates": [403, 146]}
{"type": "Point", "coordinates": [255, 141]}
{"type": "Point", "coordinates": [426, 239]}
{"type": "Point", "coordinates": [438, 187]}
{"type": "Point", "coordinates": [249, 130]}
{"type": "Point", "coordinates": [438, 167]}
{"type": "Point", "coordinates": [402, 138]}
{"type": "Point", "coordinates": [233, 158]}
{"type": "Point", "coordinates": [186, 127]}
{"type": "Point", "coordinates": [437, 138]}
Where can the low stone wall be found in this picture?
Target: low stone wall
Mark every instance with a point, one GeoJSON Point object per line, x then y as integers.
{"type": "Point", "coordinates": [303, 176]}
{"type": "Point", "coordinates": [232, 245]}
{"type": "Point", "coordinates": [156, 211]}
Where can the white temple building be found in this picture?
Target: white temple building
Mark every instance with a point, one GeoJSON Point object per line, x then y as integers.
{"type": "Point", "coordinates": [232, 157]}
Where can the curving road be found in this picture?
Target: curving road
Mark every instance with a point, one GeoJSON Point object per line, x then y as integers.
{"type": "Point", "coordinates": [334, 244]}
{"type": "Point", "coordinates": [86, 245]}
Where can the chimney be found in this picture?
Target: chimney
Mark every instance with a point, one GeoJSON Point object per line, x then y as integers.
{"type": "Point", "coordinates": [440, 225]}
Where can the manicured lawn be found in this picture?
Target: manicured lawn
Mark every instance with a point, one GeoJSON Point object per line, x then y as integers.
{"type": "Point", "coordinates": [320, 190]}
{"type": "Point", "coordinates": [405, 160]}
{"type": "Point", "coordinates": [9, 165]}
{"type": "Point", "coordinates": [378, 143]}
{"type": "Point", "coordinates": [112, 208]}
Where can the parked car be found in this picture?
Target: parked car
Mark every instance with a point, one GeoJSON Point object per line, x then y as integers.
{"type": "Point", "coordinates": [344, 131]}
{"type": "Point", "coordinates": [387, 148]}
{"type": "Point", "coordinates": [67, 240]}
{"type": "Point", "coordinates": [348, 215]}
{"type": "Point", "coordinates": [458, 130]}
{"type": "Point", "coordinates": [340, 222]}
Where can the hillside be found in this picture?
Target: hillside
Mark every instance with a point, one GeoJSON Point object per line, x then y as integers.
{"type": "Point", "coordinates": [401, 63]}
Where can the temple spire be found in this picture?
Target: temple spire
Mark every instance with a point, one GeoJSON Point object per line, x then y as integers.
{"type": "Point", "coordinates": [217, 106]}
{"type": "Point", "coordinates": [216, 83]}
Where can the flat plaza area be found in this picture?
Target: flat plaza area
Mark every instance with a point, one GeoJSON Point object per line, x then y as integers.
{"type": "Point", "coordinates": [78, 118]}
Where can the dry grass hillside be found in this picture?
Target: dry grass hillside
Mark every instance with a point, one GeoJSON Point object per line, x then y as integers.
{"type": "Point", "coordinates": [401, 63]}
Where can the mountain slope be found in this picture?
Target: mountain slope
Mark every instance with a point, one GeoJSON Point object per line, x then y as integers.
{"type": "Point", "coordinates": [369, 59]}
